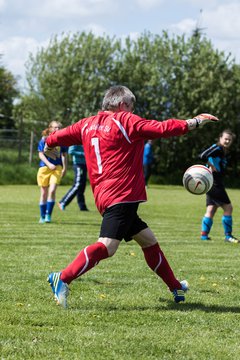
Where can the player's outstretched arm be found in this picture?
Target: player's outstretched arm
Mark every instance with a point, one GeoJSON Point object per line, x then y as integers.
{"type": "Point", "coordinates": [200, 120]}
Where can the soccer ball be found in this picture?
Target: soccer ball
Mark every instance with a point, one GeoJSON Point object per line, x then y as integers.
{"type": "Point", "coordinates": [198, 179]}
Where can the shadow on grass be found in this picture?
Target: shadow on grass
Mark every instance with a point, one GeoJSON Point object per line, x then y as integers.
{"type": "Point", "coordinates": [179, 307]}
{"type": "Point", "coordinates": [204, 308]}
{"type": "Point", "coordinates": [170, 305]}
{"type": "Point", "coordinates": [215, 309]}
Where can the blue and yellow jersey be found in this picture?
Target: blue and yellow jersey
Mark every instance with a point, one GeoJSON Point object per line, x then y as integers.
{"type": "Point", "coordinates": [58, 160]}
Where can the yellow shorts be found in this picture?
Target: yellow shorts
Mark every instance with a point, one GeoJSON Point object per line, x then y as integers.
{"type": "Point", "coordinates": [45, 176]}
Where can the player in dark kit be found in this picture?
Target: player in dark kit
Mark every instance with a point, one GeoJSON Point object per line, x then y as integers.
{"type": "Point", "coordinates": [216, 158]}
{"type": "Point", "coordinates": [113, 142]}
{"type": "Point", "coordinates": [80, 179]}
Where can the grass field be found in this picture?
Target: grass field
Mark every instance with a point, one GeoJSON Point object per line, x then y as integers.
{"type": "Point", "coordinates": [120, 309]}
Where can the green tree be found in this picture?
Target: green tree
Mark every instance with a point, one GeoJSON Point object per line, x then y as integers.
{"type": "Point", "coordinates": [67, 78]}
{"type": "Point", "coordinates": [179, 77]}
{"type": "Point", "coordinates": [172, 77]}
{"type": "Point", "coordinates": [8, 92]}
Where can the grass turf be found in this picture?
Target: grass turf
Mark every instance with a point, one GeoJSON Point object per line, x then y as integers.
{"type": "Point", "coordinates": [120, 309]}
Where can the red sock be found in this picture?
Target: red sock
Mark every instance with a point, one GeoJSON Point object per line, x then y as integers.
{"type": "Point", "coordinates": [158, 263]}
{"type": "Point", "coordinates": [85, 260]}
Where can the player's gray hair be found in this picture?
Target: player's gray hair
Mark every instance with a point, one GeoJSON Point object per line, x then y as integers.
{"type": "Point", "coordinates": [115, 95]}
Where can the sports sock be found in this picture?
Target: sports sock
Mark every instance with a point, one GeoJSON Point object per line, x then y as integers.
{"type": "Point", "coordinates": [43, 208]}
{"type": "Point", "coordinates": [89, 257]}
{"type": "Point", "coordinates": [206, 225]}
{"type": "Point", "coordinates": [227, 224]}
{"type": "Point", "coordinates": [50, 206]}
{"type": "Point", "coordinates": [158, 263]}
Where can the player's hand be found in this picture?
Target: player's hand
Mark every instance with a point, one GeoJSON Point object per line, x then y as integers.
{"type": "Point", "coordinates": [52, 166]}
{"type": "Point", "coordinates": [63, 172]}
{"type": "Point", "coordinates": [202, 119]}
{"type": "Point", "coordinates": [212, 167]}
{"type": "Point", "coordinates": [50, 152]}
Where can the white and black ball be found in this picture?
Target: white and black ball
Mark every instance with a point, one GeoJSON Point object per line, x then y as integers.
{"type": "Point", "coordinates": [198, 179]}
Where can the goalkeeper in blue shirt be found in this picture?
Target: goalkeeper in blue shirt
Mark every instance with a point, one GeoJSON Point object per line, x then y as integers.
{"type": "Point", "coordinates": [216, 158]}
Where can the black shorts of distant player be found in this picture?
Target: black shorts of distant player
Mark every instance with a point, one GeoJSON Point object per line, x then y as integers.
{"type": "Point", "coordinates": [217, 196]}
{"type": "Point", "coordinates": [121, 221]}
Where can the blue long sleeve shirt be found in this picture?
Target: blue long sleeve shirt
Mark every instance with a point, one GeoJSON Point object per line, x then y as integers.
{"type": "Point", "coordinates": [77, 153]}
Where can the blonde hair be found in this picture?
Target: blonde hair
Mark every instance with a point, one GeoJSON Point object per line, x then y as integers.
{"type": "Point", "coordinates": [48, 130]}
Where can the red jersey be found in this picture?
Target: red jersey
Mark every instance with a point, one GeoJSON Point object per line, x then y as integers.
{"type": "Point", "coordinates": [113, 145]}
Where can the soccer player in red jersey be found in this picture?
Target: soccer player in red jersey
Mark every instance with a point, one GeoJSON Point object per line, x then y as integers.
{"type": "Point", "coordinates": [113, 142]}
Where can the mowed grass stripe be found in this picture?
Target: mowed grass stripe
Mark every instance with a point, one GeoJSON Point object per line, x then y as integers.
{"type": "Point", "coordinates": [120, 309]}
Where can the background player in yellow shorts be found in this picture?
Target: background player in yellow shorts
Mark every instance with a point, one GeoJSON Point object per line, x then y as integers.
{"type": "Point", "coordinates": [50, 173]}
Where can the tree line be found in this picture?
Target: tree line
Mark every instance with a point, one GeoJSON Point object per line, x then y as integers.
{"type": "Point", "coordinates": [172, 77]}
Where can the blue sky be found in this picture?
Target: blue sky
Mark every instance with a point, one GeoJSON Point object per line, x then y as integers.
{"type": "Point", "coordinates": [28, 25]}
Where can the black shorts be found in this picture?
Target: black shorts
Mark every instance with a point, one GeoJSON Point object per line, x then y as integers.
{"type": "Point", "coordinates": [121, 221]}
{"type": "Point", "coordinates": [217, 196]}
